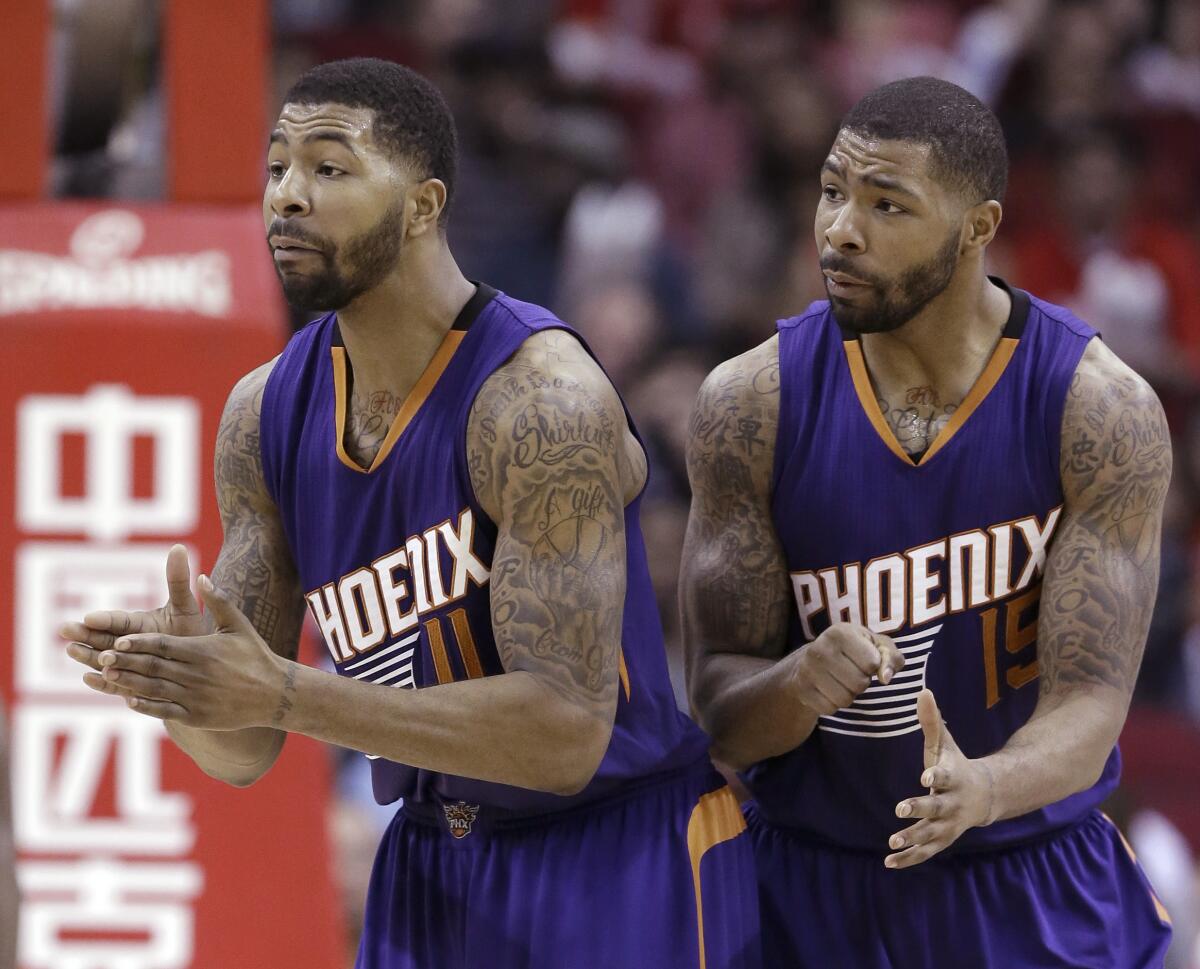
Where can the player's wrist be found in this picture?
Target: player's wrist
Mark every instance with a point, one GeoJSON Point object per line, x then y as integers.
{"type": "Point", "coordinates": [990, 810]}
{"type": "Point", "coordinates": [799, 683]}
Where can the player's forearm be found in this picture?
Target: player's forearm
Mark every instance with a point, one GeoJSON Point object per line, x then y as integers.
{"type": "Point", "coordinates": [507, 729]}
{"type": "Point", "coordinates": [748, 707]}
{"type": "Point", "coordinates": [237, 757]}
{"type": "Point", "coordinates": [1059, 752]}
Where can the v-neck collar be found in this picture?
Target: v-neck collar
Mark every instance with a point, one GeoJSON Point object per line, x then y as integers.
{"type": "Point", "coordinates": [1014, 327]}
{"type": "Point", "coordinates": [420, 391]}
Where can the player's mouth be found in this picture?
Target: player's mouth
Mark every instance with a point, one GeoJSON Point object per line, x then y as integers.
{"type": "Point", "coordinates": [842, 285]}
{"type": "Point", "coordinates": [287, 251]}
{"type": "Point", "coordinates": [288, 244]}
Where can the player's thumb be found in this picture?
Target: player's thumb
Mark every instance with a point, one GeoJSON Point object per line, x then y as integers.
{"type": "Point", "coordinates": [227, 616]}
{"type": "Point", "coordinates": [179, 581]}
{"type": "Point", "coordinates": [891, 660]}
{"type": "Point", "coordinates": [931, 726]}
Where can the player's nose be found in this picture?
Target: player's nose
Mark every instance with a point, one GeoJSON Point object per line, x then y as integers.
{"type": "Point", "coordinates": [843, 233]}
{"type": "Point", "coordinates": [287, 196]}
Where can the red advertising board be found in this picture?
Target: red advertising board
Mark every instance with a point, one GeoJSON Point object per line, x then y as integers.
{"type": "Point", "coordinates": [123, 329]}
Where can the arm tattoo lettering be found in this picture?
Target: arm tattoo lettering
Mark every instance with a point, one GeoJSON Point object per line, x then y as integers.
{"type": "Point", "coordinates": [255, 567]}
{"type": "Point", "coordinates": [544, 459]}
{"type": "Point", "coordinates": [1102, 573]}
{"type": "Point", "coordinates": [734, 584]}
{"type": "Point", "coordinates": [285, 700]}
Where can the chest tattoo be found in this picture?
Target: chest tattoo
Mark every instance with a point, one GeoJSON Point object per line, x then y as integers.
{"type": "Point", "coordinates": [916, 415]}
{"type": "Point", "coordinates": [368, 420]}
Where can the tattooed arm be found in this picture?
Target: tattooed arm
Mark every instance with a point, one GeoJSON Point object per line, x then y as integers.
{"type": "Point", "coordinates": [254, 568]}
{"type": "Point", "coordinates": [9, 897]}
{"type": "Point", "coordinates": [1097, 596]}
{"type": "Point", "coordinates": [553, 465]}
{"type": "Point", "coordinates": [754, 701]}
{"type": "Point", "coordinates": [733, 582]}
{"type": "Point", "coordinates": [1099, 589]}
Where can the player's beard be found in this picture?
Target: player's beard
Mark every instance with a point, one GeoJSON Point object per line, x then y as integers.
{"type": "Point", "coordinates": [364, 261]}
{"type": "Point", "coordinates": [896, 302]}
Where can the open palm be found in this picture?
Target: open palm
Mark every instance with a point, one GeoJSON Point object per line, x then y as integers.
{"type": "Point", "coordinates": [179, 616]}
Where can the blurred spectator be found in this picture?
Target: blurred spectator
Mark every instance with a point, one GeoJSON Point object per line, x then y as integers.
{"type": "Point", "coordinates": [1070, 77]}
{"type": "Point", "coordinates": [109, 117]}
{"type": "Point", "coordinates": [661, 402]}
{"type": "Point", "coordinates": [1166, 72]}
{"type": "Point", "coordinates": [754, 229]}
{"type": "Point", "coordinates": [622, 326]}
{"type": "Point", "coordinates": [1124, 269]}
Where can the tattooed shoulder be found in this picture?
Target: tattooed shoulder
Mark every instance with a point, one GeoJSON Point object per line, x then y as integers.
{"type": "Point", "coordinates": [544, 442]}
{"type": "Point", "coordinates": [1116, 448]}
{"type": "Point", "coordinates": [255, 566]}
{"type": "Point", "coordinates": [238, 464]}
{"type": "Point", "coordinates": [733, 585]}
{"type": "Point", "coordinates": [1102, 571]}
{"type": "Point", "coordinates": [731, 439]}
{"type": "Point", "coordinates": [549, 403]}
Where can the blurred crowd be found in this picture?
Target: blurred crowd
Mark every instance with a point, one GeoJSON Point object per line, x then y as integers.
{"type": "Point", "coordinates": [648, 169]}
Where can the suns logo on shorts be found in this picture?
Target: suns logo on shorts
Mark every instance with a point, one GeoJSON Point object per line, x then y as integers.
{"type": "Point", "coordinates": [459, 817]}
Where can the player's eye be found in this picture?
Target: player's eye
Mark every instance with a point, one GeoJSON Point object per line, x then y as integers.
{"type": "Point", "coordinates": [328, 171]}
{"type": "Point", "coordinates": [888, 206]}
{"type": "Point", "coordinates": [275, 169]}
{"type": "Point", "coordinates": [831, 193]}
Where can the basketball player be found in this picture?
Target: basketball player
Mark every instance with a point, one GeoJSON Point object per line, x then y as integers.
{"type": "Point", "coordinates": [447, 479]}
{"type": "Point", "coordinates": [9, 897]}
{"type": "Point", "coordinates": [934, 463]}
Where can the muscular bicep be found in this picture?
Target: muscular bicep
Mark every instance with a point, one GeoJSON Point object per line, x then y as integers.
{"type": "Point", "coordinates": [1102, 569]}
{"type": "Point", "coordinates": [734, 590]}
{"type": "Point", "coordinates": [545, 467]}
{"type": "Point", "coordinates": [255, 566]}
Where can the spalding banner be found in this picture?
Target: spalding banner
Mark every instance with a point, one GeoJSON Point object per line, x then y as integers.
{"type": "Point", "coordinates": [124, 329]}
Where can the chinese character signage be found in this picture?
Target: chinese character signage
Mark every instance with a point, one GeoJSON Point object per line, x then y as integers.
{"type": "Point", "coordinates": [123, 332]}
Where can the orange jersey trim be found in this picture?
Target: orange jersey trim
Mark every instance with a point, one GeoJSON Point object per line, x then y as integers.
{"type": "Point", "coordinates": [408, 410]}
{"type": "Point", "coordinates": [1159, 908]}
{"type": "Point", "coordinates": [716, 818]}
{"type": "Point", "coordinates": [866, 396]}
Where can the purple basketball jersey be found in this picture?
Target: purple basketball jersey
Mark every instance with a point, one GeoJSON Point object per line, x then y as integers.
{"type": "Point", "coordinates": [395, 560]}
{"type": "Point", "coordinates": [944, 554]}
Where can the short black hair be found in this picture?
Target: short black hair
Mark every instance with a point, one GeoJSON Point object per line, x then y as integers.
{"type": "Point", "coordinates": [412, 118]}
{"type": "Point", "coordinates": [964, 135]}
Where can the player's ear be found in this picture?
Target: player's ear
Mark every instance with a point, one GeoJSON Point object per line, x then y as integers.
{"type": "Point", "coordinates": [980, 224]}
{"type": "Point", "coordinates": [426, 200]}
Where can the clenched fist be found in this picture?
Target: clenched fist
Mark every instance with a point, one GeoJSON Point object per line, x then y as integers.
{"type": "Point", "coordinates": [839, 664]}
